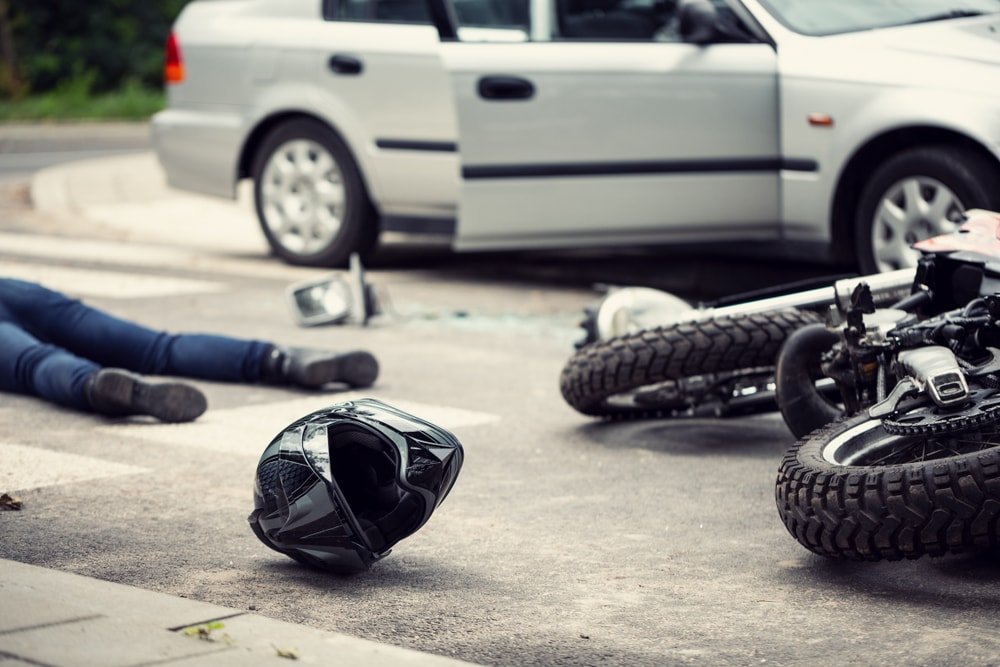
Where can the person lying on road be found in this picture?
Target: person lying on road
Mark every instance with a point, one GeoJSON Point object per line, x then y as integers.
{"type": "Point", "coordinates": [71, 354]}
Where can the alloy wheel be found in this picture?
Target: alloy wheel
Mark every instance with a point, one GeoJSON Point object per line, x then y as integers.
{"type": "Point", "coordinates": [303, 196]}
{"type": "Point", "coordinates": [913, 209]}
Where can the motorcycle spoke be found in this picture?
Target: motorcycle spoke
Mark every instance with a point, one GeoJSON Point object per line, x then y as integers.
{"type": "Point", "coordinates": [920, 449]}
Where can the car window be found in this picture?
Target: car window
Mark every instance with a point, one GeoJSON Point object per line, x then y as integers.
{"type": "Point", "coordinates": [386, 11]}
{"type": "Point", "coordinates": [470, 13]}
{"type": "Point", "coordinates": [616, 20]}
{"type": "Point", "coordinates": [625, 20]}
{"type": "Point", "coordinates": [492, 13]}
{"type": "Point", "coordinates": [830, 17]}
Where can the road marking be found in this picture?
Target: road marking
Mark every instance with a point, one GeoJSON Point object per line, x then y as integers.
{"type": "Point", "coordinates": [66, 248]}
{"type": "Point", "coordinates": [23, 468]}
{"type": "Point", "coordinates": [247, 430]}
{"type": "Point", "coordinates": [107, 284]}
{"type": "Point", "coordinates": [133, 255]}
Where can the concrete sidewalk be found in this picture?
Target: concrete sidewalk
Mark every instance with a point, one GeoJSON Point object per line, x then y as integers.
{"type": "Point", "coordinates": [127, 198]}
{"type": "Point", "coordinates": [53, 618]}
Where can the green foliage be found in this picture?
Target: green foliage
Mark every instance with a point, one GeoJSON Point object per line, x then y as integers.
{"type": "Point", "coordinates": [74, 99]}
{"type": "Point", "coordinates": [72, 47]}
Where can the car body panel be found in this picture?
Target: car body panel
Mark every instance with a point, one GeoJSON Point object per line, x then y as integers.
{"type": "Point", "coordinates": [599, 105]}
{"type": "Point", "coordinates": [199, 149]}
{"type": "Point", "coordinates": [279, 51]}
{"type": "Point", "coordinates": [656, 115]}
{"type": "Point", "coordinates": [406, 132]}
{"type": "Point", "coordinates": [872, 84]}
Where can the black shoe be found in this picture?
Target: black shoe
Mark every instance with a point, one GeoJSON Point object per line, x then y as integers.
{"type": "Point", "coordinates": [118, 393]}
{"type": "Point", "coordinates": [314, 368]}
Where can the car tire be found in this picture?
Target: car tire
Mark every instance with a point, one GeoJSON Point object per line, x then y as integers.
{"type": "Point", "coordinates": [918, 193]}
{"type": "Point", "coordinates": [310, 199]}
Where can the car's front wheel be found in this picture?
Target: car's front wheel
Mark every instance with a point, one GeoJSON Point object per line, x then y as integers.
{"type": "Point", "coordinates": [916, 194]}
{"type": "Point", "coordinates": [310, 199]}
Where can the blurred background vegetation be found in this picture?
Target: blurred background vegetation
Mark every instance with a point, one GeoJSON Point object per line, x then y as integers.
{"type": "Point", "coordinates": [73, 59]}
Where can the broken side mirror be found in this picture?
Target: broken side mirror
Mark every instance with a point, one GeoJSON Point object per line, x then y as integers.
{"type": "Point", "coordinates": [335, 298]}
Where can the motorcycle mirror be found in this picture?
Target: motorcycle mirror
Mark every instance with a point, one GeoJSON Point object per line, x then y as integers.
{"type": "Point", "coordinates": [335, 298]}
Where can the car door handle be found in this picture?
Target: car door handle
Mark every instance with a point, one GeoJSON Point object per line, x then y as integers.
{"type": "Point", "coordinates": [341, 64]}
{"type": "Point", "coordinates": [505, 88]}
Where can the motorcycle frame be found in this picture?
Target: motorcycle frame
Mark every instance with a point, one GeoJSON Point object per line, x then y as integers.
{"type": "Point", "coordinates": [886, 288]}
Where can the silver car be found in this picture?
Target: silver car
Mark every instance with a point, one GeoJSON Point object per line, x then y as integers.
{"type": "Point", "coordinates": [851, 127]}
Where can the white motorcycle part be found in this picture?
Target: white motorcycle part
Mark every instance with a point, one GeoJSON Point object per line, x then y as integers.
{"type": "Point", "coordinates": [627, 310]}
{"type": "Point", "coordinates": [936, 369]}
{"type": "Point", "coordinates": [631, 309]}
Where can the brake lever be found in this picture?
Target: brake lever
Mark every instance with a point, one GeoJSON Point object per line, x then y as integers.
{"type": "Point", "coordinates": [904, 389]}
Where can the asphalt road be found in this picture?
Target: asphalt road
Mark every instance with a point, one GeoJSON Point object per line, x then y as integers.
{"type": "Point", "coordinates": [565, 541]}
{"type": "Point", "coordinates": [24, 149]}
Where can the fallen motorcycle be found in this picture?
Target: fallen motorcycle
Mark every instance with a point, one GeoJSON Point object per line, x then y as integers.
{"type": "Point", "coordinates": [646, 354]}
{"type": "Point", "coordinates": [915, 468]}
{"type": "Point", "coordinates": [902, 457]}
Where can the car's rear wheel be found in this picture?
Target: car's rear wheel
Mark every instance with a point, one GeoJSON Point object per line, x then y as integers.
{"type": "Point", "coordinates": [310, 199]}
{"type": "Point", "coordinates": [916, 194]}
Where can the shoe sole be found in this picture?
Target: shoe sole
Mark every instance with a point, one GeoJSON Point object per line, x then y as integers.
{"type": "Point", "coordinates": [172, 402]}
{"type": "Point", "coordinates": [357, 369]}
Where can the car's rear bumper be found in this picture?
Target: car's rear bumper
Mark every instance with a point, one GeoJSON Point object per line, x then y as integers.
{"type": "Point", "coordinates": [199, 150]}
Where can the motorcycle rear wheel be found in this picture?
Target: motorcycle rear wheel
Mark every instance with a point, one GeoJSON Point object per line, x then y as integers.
{"type": "Point", "coordinates": [600, 378]}
{"type": "Point", "coordinates": [853, 490]}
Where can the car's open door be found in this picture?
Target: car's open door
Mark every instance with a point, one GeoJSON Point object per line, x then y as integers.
{"type": "Point", "coordinates": [576, 136]}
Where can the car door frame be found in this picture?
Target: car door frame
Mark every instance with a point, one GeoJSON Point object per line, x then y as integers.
{"type": "Point", "coordinates": [760, 173]}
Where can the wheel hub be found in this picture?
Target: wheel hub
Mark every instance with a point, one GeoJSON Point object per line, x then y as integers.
{"type": "Point", "coordinates": [297, 203]}
{"type": "Point", "coordinates": [911, 210]}
{"type": "Point", "coordinates": [303, 196]}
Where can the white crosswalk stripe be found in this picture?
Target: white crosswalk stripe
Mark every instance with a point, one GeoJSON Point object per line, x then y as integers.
{"type": "Point", "coordinates": [107, 284]}
{"type": "Point", "coordinates": [148, 256]}
{"type": "Point", "coordinates": [247, 430]}
{"type": "Point", "coordinates": [23, 468]}
{"type": "Point", "coordinates": [242, 431]}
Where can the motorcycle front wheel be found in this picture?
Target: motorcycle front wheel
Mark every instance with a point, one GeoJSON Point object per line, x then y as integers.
{"type": "Point", "coordinates": [854, 490]}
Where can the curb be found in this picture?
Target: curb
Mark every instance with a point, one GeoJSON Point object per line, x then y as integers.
{"type": "Point", "coordinates": [48, 192]}
{"type": "Point", "coordinates": [126, 198]}
{"type": "Point", "coordinates": [55, 618]}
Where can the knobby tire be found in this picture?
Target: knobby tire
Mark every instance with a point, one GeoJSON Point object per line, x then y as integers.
{"type": "Point", "coordinates": [605, 369]}
{"type": "Point", "coordinates": [891, 512]}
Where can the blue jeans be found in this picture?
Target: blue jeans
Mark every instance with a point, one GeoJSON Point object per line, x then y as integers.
{"type": "Point", "coordinates": [50, 345]}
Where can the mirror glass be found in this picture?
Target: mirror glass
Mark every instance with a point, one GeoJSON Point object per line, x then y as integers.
{"type": "Point", "coordinates": [324, 301]}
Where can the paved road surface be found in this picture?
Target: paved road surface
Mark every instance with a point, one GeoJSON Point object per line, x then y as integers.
{"type": "Point", "coordinates": [26, 148]}
{"type": "Point", "coordinates": [565, 541]}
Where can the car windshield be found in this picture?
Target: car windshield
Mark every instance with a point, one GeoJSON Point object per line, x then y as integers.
{"type": "Point", "coordinates": [830, 17]}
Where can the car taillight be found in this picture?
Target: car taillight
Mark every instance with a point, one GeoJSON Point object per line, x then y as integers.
{"type": "Point", "coordinates": [173, 64]}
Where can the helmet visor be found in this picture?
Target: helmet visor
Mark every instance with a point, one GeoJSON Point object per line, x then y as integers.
{"type": "Point", "coordinates": [373, 455]}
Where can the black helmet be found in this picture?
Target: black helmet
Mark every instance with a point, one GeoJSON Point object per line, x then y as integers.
{"type": "Point", "coordinates": [340, 487]}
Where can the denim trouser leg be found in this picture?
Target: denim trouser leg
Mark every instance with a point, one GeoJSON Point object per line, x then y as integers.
{"type": "Point", "coordinates": [110, 341]}
{"type": "Point", "coordinates": [28, 366]}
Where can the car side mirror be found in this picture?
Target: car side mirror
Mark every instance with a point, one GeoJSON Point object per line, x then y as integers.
{"type": "Point", "coordinates": [698, 22]}
{"type": "Point", "coordinates": [335, 298]}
